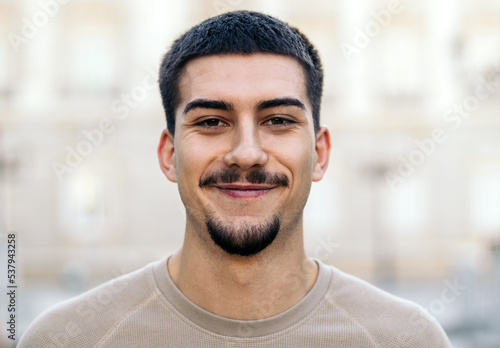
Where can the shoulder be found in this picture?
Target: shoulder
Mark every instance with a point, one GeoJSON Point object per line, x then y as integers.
{"type": "Point", "coordinates": [388, 320]}
{"type": "Point", "coordinates": [85, 319]}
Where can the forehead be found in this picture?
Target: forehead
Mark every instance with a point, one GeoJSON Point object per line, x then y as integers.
{"type": "Point", "coordinates": [243, 79]}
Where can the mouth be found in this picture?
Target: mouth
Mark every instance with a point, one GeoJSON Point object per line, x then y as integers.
{"type": "Point", "coordinates": [244, 191]}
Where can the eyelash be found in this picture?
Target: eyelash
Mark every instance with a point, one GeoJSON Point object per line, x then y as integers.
{"type": "Point", "coordinates": [285, 122]}
{"type": "Point", "coordinates": [205, 125]}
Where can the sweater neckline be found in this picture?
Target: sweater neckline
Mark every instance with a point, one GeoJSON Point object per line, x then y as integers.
{"type": "Point", "coordinates": [241, 328]}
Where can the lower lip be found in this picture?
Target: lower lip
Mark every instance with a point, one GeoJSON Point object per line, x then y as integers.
{"type": "Point", "coordinates": [244, 193]}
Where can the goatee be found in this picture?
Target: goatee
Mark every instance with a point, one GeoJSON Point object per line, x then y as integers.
{"type": "Point", "coordinates": [244, 240]}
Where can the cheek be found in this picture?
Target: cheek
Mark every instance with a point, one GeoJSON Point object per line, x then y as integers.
{"type": "Point", "coordinates": [296, 154]}
{"type": "Point", "coordinates": [189, 170]}
{"type": "Point", "coordinates": [193, 159]}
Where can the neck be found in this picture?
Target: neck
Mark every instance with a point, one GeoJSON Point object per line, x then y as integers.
{"type": "Point", "coordinates": [245, 288]}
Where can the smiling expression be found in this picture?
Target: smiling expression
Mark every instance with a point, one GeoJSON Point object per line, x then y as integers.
{"type": "Point", "coordinates": [245, 151]}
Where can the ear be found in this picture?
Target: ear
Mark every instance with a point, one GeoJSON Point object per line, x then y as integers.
{"type": "Point", "coordinates": [166, 155]}
{"type": "Point", "coordinates": [323, 148]}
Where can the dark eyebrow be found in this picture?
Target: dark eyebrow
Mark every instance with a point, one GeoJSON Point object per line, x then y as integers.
{"type": "Point", "coordinates": [208, 104]}
{"type": "Point", "coordinates": [272, 103]}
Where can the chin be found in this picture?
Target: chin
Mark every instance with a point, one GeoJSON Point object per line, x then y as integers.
{"type": "Point", "coordinates": [247, 237]}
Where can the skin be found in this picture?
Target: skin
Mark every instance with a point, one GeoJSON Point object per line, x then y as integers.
{"type": "Point", "coordinates": [244, 136]}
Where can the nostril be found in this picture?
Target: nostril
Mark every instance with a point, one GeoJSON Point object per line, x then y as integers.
{"type": "Point", "coordinates": [246, 150]}
{"type": "Point", "coordinates": [246, 157]}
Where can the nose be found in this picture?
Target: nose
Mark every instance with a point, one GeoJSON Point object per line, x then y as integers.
{"type": "Point", "coordinates": [246, 151]}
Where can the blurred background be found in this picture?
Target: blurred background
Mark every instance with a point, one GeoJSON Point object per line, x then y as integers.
{"type": "Point", "coordinates": [411, 201]}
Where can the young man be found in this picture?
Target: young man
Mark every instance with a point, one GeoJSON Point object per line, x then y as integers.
{"type": "Point", "coordinates": [242, 94]}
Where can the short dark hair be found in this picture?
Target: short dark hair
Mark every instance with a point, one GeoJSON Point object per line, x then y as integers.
{"type": "Point", "coordinates": [239, 32]}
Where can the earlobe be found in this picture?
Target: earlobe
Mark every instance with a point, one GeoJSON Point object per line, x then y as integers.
{"type": "Point", "coordinates": [323, 148]}
{"type": "Point", "coordinates": [166, 155]}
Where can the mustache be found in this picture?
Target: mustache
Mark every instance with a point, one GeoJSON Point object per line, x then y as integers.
{"type": "Point", "coordinates": [256, 176]}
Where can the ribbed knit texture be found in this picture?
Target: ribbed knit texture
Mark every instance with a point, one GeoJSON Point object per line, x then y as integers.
{"type": "Point", "coordinates": [145, 309]}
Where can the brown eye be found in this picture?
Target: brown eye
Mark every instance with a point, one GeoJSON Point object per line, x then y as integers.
{"type": "Point", "coordinates": [211, 123]}
{"type": "Point", "coordinates": [278, 121]}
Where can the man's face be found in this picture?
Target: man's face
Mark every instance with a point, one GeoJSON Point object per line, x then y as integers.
{"type": "Point", "coordinates": [245, 150]}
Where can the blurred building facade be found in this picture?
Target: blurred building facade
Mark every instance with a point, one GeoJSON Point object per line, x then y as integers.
{"type": "Point", "coordinates": [412, 98]}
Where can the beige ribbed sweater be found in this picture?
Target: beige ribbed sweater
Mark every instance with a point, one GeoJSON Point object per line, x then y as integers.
{"type": "Point", "coordinates": [145, 309]}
